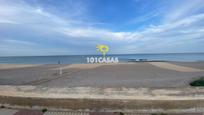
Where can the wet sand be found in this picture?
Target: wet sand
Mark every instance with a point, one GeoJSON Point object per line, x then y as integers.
{"type": "Point", "coordinates": [132, 75]}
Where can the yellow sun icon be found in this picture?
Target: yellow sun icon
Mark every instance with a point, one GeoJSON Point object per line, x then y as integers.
{"type": "Point", "coordinates": [103, 49]}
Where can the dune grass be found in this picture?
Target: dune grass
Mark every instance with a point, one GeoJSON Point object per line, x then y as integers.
{"type": "Point", "coordinates": [198, 82]}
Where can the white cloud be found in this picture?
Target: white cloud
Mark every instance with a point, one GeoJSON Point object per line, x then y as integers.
{"type": "Point", "coordinates": [183, 27]}
{"type": "Point", "coordinates": [178, 28]}
{"type": "Point", "coordinates": [32, 16]}
{"type": "Point", "coordinates": [183, 9]}
{"type": "Point", "coordinates": [7, 21]}
{"type": "Point", "coordinates": [95, 33]}
{"type": "Point", "coordinates": [19, 42]}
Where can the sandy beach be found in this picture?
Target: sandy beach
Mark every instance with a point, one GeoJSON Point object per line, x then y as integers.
{"type": "Point", "coordinates": [131, 75]}
{"type": "Point", "coordinates": [15, 66]}
{"type": "Point", "coordinates": [135, 87]}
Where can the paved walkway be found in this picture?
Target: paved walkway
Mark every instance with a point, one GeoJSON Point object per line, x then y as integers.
{"type": "Point", "coordinates": [34, 112]}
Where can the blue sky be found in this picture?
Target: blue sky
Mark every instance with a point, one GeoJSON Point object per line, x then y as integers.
{"type": "Point", "coordinates": [67, 27]}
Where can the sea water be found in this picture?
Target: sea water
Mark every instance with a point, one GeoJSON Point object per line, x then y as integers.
{"type": "Point", "coordinates": [72, 59]}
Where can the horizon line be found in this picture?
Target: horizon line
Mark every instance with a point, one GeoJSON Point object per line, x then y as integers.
{"type": "Point", "coordinates": [107, 54]}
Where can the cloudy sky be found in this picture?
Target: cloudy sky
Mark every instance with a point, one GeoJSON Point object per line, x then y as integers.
{"type": "Point", "coordinates": [67, 27]}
